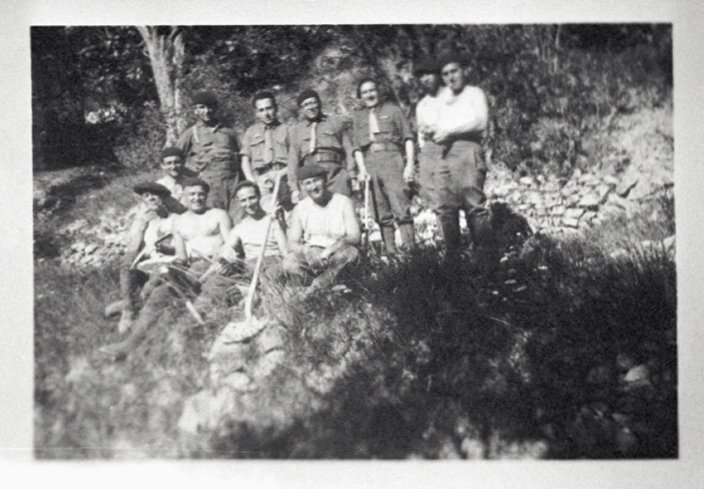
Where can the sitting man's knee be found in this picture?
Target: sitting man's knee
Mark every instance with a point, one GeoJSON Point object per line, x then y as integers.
{"type": "Point", "coordinates": [347, 254]}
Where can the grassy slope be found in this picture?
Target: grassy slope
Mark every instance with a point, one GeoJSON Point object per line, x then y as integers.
{"type": "Point", "coordinates": [448, 362]}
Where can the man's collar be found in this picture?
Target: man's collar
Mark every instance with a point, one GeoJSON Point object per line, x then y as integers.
{"type": "Point", "coordinates": [322, 117]}
{"type": "Point", "coordinates": [214, 127]}
{"type": "Point", "coordinates": [273, 125]}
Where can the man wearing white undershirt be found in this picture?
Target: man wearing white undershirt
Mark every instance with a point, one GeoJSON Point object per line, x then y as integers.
{"type": "Point", "coordinates": [462, 122]}
{"type": "Point", "coordinates": [246, 239]}
{"type": "Point", "coordinates": [427, 111]}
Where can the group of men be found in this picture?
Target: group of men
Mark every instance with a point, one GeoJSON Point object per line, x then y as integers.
{"type": "Point", "coordinates": [212, 181]}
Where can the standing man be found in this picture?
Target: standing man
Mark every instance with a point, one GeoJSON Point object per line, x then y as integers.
{"type": "Point", "coordinates": [212, 151]}
{"type": "Point", "coordinates": [324, 231]}
{"type": "Point", "coordinates": [321, 139]}
{"type": "Point", "coordinates": [382, 137]}
{"type": "Point", "coordinates": [459, 179]}
{"type": "Point", "coordinates": [427, 113]}
{"type": "Point", "coordinates": [265, 149]}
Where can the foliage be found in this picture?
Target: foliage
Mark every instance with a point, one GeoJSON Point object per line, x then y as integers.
{"type": "Point", "coordinates": [527, 360]}
{"type": "Point", "coordinates": [549, 85]}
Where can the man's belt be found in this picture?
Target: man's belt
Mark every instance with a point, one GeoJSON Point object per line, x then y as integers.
{"type": "Point", "coordinates": [379, 147]}
{"type": "Point", "coordinates": [327, 155]}
{"type": "Point", "coordinates": [262, 170]}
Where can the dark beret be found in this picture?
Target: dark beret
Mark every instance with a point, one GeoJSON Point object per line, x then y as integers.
{"type": "Point", "coordinates": [426, 65]}
{"type": "Point", "coordinates": [171, 151]}
{"type": "Point", "coordinates": [204, 98]}
{"type": "Point", "coordinates": [311, 170]}
{"type": "Point", "coordinates": [306, 94]}
{"type": "Point", "coordinates": [195, 182]}
{"type": "Point", "coordinates": [452, 57]}
{"type": "Point", "coordinates": [152, 188]}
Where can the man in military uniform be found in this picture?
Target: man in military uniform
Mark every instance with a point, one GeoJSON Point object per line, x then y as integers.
{"type": "Point", "coordinates": [321, 139]}
{"type": "Point", "coordinates": [462, 121]}
{"type": "Point", "coordinates": [212, 150]}
{"type": "Point", "coordinates": [265, 149]}
{"type": "Point", "coordinates": [382, 137]}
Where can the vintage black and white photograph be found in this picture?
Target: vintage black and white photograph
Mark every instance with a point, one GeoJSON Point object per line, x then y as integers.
{"type": "Point", "coordinates": [358, 242]}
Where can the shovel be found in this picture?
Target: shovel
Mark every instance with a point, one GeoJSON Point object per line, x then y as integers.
{"type": "Point", "coordinates": [367, 230]}
{"type": "Point", "coordinates": [243, 330]}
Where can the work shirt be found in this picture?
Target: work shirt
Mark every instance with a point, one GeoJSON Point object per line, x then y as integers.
{"type": "Point", "coordinates": [254, 146]}
{"type": "Point", "coordinates": [393, 127]}
{"type": "Point", "coordinates": [322, 226]}
{"type": "Point", "coordinates": [208, 148]}
{"type": "Point", "coordinates": [465, 115]}
{"type": "Point", "coordinates": [428, 113]}
{"type": "Point", "coordinates": [324, 141]}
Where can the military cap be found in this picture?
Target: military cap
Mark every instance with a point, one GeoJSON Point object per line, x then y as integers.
{"type": "Point", "coordinates": [306, 94]}
{"type": "Point", "coordinates": [171, 151]}
{"type": "Point", "coordinates": [311, 170]}
{"type": "Point", "coordinates": [452, 57]}
{"type": "Point", "coordinates": [195, 182]}
{"type": "Point", "coordinates": [204, 98]}
{"type": "Point", "coordinates": [426, 65]}
{"type": "Point", "coordinates": [152, 188]}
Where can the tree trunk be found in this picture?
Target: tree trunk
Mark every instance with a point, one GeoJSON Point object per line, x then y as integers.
{"type": "Point", "coordinates": [166, 52]}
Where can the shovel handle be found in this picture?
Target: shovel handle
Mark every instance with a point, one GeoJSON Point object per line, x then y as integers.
{"type": "Point", "coordinates": [260, 258]}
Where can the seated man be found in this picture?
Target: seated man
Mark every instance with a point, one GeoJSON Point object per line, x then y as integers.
{"type": "Point", "coordinates": [151, 226]}
{"type": "Point", "coordinates": [324, 230]}
{"type": "Point", "coordinates": [175, 172]}
{"type": "Point", "coordinates": [199, 234]}
{"type": "Point", "coordinates": [246, 239]}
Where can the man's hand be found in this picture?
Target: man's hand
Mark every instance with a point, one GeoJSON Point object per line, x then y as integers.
{"type": "Point", "coordinates": [408, 172]}
{"type": "Point", "coordinates": [325, 255]}
{"type": "Point", "coordinates": [441, 137]}
{"type": "Point", "coordinates": [363, 176]}
{"type": "Point", "coordinates": [269, 183]}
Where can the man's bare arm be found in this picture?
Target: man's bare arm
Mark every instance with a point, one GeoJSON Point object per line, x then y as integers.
{"type": "Point", "coordinates": [280, 237]}
{"type": "Point", "coordinates": [224, 223]}
{"type": "Point", "coordinates": [247, 168]}
{"type": "Point", "coordinates": [295, 233]}
{"type": "Point", "coordinates": [179, 242]}
{"type": "Point", "coordinates": [410, 158]}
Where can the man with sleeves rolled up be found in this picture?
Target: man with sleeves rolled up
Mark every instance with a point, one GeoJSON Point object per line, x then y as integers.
{"type": "Point", "coordinates": [212, 151]}
{"type": "Point", "coordinates": [320, 139]}
{"type": "Point", "coordinates": [462, 122]}
{"type": "Point", "coordinates": [382, 137]}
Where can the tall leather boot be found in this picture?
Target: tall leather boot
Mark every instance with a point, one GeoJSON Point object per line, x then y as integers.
{"type": "Point", "coordinates": [389, 236]}
{"type": "Point", "coordinates": [483, 238]}
{"type": "Point", "coordinates": [408, 238]}
{"type": "Point", "coordinates": [450, 226]}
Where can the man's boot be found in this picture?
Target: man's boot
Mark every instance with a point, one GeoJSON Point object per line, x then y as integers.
{"type": "Point", "coordinates": [483, 238]}
{"type": "Point", "coordinates": [388, 234]}
{"type": "Point", "coordinates": [450, 226]}
{"type": "Point", "coordinates": [407, 236]}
